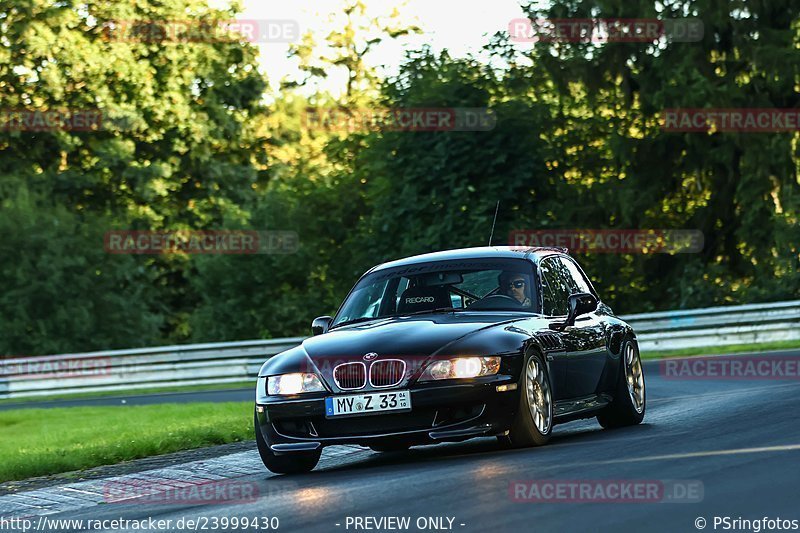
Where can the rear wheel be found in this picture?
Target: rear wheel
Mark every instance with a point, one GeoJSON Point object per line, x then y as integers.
{"type": "Point", "coordinates": [289, 463]}
{"type": "Point", "coordinates": [630, 400]}
{"type": "Point", "coordinates": [534, 420]}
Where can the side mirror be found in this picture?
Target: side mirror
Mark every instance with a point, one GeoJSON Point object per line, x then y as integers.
{"type": "Point", "coordinates": [321, 324]}
{"type": "Point", "coordinates": [580, 304]}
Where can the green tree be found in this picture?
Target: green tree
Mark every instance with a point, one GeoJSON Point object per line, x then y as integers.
{"type": "Point", "coordinates": [314, 190]}
{"type": "Point", "coordinates": [175, 146]}
{"type": "Point", "coordinates": [354, 35]}
{"type": "Point", "coordinates": [432, 190]}
{"type": "Point", "coordinates": [62, 292]}
{"type": "Point", "coordinates": [179, 145]}
{"type": "Point", "coordinates": [740, 189]}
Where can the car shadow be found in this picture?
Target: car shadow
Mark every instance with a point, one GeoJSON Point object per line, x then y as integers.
{"type": "Point", "coordinates": [574, 434]}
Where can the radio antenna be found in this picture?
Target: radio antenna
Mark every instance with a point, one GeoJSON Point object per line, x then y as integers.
{"type": "Point", "coordinates": [496, 209]}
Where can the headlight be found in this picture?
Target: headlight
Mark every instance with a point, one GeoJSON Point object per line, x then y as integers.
{"type": "Point", "coordinates": [461, 367]}
{"type": "Point", "coordinates": [287, 384]}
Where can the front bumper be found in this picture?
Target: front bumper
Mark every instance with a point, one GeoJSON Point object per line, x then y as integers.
{"type": "Point", "coordinates": [440, 412]}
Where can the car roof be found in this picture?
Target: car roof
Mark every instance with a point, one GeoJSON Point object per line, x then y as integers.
{"type": "Point", "coordinates": [483, 252]}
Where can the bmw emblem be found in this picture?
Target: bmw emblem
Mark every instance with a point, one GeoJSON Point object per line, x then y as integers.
{"type": "Point", "coordinates": [370, 356]}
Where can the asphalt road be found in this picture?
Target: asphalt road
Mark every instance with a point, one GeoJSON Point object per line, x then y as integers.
{"type": "Point", "coordinates": [231, 395]}
{"type": "Point", "coordinates": [738, 440]}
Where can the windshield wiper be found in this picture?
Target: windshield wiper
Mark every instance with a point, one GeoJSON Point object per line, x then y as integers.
{"type": "Point", "coordinates": [357, 320]}
{"type": "Point", "coordinates": [428, 311]}
{"type": "Point", "coordinates": [423, 312]}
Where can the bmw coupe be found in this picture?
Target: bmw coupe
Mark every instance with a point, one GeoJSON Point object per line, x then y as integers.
{"type": "Point", "coordinates": [447, 346]}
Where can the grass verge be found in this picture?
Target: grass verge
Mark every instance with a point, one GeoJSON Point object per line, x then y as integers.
{"type": "Point", "coordinates": [35, 442]}
{"type": "Point", "coordinates": [721, 350]}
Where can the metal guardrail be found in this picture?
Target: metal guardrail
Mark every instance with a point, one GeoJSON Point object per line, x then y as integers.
{"type": "Point", "coordinates": [717, 326]}
{"type": "Point", "coordinates": [165, 366]}
{"type": "Point", "coordinates": [232, 362]}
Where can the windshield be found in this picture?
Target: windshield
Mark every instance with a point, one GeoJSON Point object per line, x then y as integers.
{"type": "Point", "coordinates": [458, 285]}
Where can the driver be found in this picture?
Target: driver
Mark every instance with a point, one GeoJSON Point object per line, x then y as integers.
{"type": "Point", "coordinates": [516, 286]}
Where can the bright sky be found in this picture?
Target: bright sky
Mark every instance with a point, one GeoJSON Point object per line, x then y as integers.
{"type": "Point", "coordinates": [460, 26]}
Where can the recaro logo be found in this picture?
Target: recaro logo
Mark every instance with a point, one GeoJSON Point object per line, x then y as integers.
{"type": "Point", "coordinates": [420, 299]}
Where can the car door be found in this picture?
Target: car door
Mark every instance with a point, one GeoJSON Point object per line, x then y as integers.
{"type": "Point", "coordinates": [587, 337]}
{"type": "Point", "coordinates": [554, 307]}
{"type": "Point", "coordinates": [583, 342]}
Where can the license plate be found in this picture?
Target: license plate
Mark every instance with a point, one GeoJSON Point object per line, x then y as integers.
{"type": "Point", "coordinates": [362, 404]}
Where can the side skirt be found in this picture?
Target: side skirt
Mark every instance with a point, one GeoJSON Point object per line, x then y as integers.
{"type": "Point", "coordinates": [577, 408]}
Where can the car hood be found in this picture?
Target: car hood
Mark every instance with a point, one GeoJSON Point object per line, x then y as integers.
{"type": "Point", "coordinates": [410, 338]}
{"type": "Point", "coordinates": [400, 336]}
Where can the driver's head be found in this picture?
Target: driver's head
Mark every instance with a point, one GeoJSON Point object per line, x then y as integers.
{"type": "Point", "coordinates": [515, 285]}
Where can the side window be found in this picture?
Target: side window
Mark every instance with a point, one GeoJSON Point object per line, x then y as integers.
{"type": "Point", "coordinates": [402, 286]}
{"type": "Point", "coordinates": [556, 287]}
{"type": "Point", "coordinates": [457, 301]}
{"type": "Point", "coordinates": [577, 281]}
{"type": "Point", "coordinates": [548, 301]}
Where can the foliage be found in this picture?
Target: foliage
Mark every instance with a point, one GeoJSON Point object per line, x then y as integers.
{"type": "Point", "coordinates": [62, 291]}
{"type": "Point", "coordinates": [190, 143]}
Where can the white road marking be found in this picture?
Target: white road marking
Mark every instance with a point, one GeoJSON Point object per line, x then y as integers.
{"type": "Point", "coordinates": [724, 393]}
{"type": "Point", "coordinates": [691, 455]}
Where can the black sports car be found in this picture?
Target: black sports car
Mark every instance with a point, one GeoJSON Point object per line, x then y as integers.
{"type": "Point", "coordinates": [448, 346]}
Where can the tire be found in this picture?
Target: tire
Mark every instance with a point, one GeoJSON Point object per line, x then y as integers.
{"type": "Point", "coordinates": [532, 426]}
{"type": "Point", "coordinates": [630, 398]}
{"type": "Point", "coordinates": [290, 463]}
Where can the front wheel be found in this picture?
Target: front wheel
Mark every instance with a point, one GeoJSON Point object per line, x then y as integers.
{"type": "Point", "coordinates": [290, 463]}
{"type": "Point", "coordinates": [533, 422]}
{"type": "Point", "coordinates": [630, 400]}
